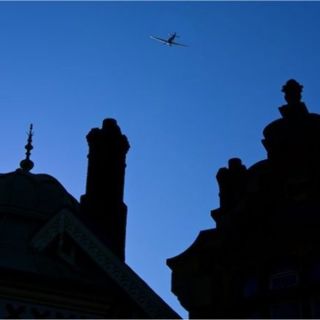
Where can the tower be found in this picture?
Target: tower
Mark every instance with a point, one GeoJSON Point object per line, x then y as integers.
{"type": "Point", "coordinates": [103, 202]}
{"type": "Point", "coordinates": [262, 260]}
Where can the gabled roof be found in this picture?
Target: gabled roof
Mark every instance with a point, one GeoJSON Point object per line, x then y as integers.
{"type": "Point", "coordinates": [66, 222]}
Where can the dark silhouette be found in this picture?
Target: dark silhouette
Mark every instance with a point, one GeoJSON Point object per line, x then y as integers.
{"type": "Point", "coordinates": [170, 41]}
{"type": "Point", "coordinates": [65, 259]}
{"type": "Point", "coordinates": [103, 201]}
{"type": "Point", "coordinates": [27, 164]}
{"type": "Point", "coordinates": [262, 260]}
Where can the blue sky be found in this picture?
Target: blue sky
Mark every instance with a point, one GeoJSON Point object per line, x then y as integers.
{"type": "Point", "coordinates": [65, 66]}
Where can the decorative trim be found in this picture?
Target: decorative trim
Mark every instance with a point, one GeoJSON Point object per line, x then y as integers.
{"type": "Point", "coordinates": [124, 276]}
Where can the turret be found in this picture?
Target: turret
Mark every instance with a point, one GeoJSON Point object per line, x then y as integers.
{"type": "Point", "coordinates": [103, 201]}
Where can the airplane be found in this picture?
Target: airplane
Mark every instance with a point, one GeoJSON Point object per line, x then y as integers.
{"type": "Point", "coordinates": [170, 41]}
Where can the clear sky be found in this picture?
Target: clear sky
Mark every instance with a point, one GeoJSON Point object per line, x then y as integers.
{"type": "Point", "coordinates": [65, 66]}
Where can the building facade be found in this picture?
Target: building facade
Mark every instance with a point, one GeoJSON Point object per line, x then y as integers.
{"type": "Point", "coordinates": [262, 260]}
{"type": "Point", "coordinates": [61, 258]}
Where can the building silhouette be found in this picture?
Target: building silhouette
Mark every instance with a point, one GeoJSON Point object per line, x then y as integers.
{"type": "Point", "coordinates": [65, 259]}
{"type": "Point", "coordinates": [263, 258]}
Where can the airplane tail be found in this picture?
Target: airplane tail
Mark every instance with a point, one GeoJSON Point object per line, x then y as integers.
{"type": "Point", "coordinates": [174, 34]}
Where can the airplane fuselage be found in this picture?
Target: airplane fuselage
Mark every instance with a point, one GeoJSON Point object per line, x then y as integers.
{"type": "Point", "coordinates": [171, 39]}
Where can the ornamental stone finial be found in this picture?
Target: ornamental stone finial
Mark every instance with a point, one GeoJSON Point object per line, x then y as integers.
{"type": "Point", "coordinates": [292, 91]}
{"type": "Point", "coordinates": [295, 108]}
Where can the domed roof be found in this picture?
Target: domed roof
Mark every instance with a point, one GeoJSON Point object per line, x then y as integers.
{"type": "Point", "coordinates": [27, 202]}
{"type": "Point", "coordinates": [37, 194]}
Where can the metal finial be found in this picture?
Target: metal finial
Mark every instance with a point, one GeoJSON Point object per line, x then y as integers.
{"type": "Point", "coordinates": [27, 164]}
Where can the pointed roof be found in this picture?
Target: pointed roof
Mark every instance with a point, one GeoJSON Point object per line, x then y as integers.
{"type": "Point", "coordinates": [121, 273]}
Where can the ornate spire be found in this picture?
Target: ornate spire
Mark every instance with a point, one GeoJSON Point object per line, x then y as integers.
{"type": "Point", "coordinates": [26, 164]}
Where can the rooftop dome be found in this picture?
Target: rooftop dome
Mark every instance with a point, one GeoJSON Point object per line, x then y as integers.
{"type": "Point", "coordinates": [27, 202]}
{"type": "Point", "coordinates": [37, 194]}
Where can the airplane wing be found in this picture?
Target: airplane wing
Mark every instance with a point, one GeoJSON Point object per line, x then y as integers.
{"type": "Point", "coordinates": [159, 39]}
{"type": "Point", "coordinates": [179, 44]}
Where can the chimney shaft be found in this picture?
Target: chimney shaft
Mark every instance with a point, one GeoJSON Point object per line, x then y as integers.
{"type": "Point", "coordinates": [103, 201]}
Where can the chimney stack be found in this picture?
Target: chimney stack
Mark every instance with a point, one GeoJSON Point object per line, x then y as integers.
{"type": "Point", "coordinates": [103, 201]}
